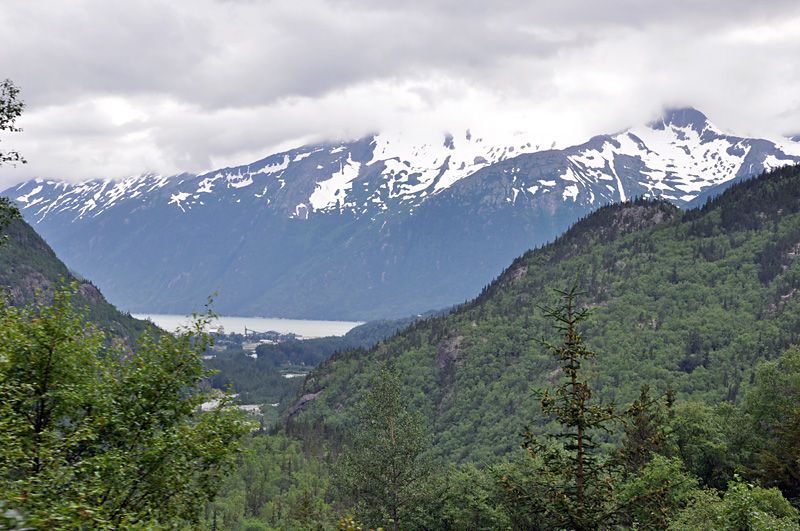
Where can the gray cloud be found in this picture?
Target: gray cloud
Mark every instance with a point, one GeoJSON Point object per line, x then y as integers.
{"type": "Point", "coordinates": [118, 88]}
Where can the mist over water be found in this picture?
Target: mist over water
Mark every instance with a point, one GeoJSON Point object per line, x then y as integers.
{"type": "Point", "coordinates": [302, 327]}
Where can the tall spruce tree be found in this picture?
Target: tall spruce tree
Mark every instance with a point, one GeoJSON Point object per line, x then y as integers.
{"type": "Point", "coordinates": [574, 484]}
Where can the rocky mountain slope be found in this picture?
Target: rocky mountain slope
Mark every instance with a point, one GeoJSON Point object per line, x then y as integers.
{"type": "Point", "coordinates": [30, 270]}
{"type": "Point", "coordinates": [377, 227]}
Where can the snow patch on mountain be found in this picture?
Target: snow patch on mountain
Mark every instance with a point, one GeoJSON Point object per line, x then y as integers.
{"type": "Point", "coordinates": [280, 167]}
{"type": "Point", "coordinates": [790, 145]}
{"type": "Point", "coordinates": [328, 192]}
{"type": "Point", "coordinates": [84, 198]}
{"type": "Point", "coordinates": [301, 156]}
{"type": "Point", "coordinates": [27, 197]}
{"type": "Point", "coordinates": [771, 161]}
{"type": "Point", "coordinates": [684, 158]}
{"type": "Point", "coordinates": [178, 199]}
{"type": "Point", "coordinates": [413, 164]}
{"type": "Point", "coordinates": [206, 185]}
{"type": "Point", "coordinates": [239, 180]}
{"type": "Point", "coordinates": [570, 191]}
{"type": "Point", "coordinates": [678, 157]}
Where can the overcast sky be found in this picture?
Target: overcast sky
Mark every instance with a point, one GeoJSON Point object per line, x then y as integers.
{"type": "Point", "coordinates": [116, 88]}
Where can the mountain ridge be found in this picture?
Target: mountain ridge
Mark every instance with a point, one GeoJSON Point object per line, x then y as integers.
{"type": "Point", "coordinates": [377, 227]}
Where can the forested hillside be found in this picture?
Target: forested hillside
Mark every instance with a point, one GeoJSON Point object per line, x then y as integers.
{"type": "Point", "coordinates": [100, 429]}
{"type": "Point", "coordinates": [29, 269]}
{"type": "Point", "coordinates": [693, 301]}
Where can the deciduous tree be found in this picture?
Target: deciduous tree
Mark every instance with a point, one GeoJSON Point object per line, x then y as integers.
{"type": "Point", "coordinates": [743, 507]}
{"type": "Point", "coordinates": [774, 403]}
{"type": "Point", "coordinates": [10, 109]}
{"type": "Point", "coordinates": [104, 438]}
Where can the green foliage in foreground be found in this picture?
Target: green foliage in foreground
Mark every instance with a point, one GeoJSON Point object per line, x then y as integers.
{"type": "Point", "coordinates": [774, 407]}
{"type": "Point", "coordinates": [102, 438]}
{"type": "Point", "coordinates": [10, 109]}
{"type": "Point", "coordinates": [283, 481]}
{"type": "Point", "coordinates": [574, 482]}
{"type": "Point", "coordinates": [743, 507]}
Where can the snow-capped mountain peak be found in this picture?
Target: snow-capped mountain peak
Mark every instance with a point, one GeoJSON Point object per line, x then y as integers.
{"type": "Point", "coordinates": [390, 224]}
{"type": "Point", "coordinates": [676, 157]}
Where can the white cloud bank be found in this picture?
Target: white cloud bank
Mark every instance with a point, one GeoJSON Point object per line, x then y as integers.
{"type": "Point", "coordinates": [121, 88]}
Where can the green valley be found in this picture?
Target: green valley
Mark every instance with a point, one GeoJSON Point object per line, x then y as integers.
{"type": "Point", "coordinates": [690, 318]}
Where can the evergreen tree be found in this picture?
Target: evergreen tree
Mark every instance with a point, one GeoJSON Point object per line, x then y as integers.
{"type": "Point", "coordinates": [644, 435]}
{"type": "Point", "coordinates": [574, 481]}
{"type": "Point", "coordinates": [387, 470]}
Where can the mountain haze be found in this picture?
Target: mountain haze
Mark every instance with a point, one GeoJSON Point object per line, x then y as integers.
{"type": "Point", "coordinates": [377, 227]}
